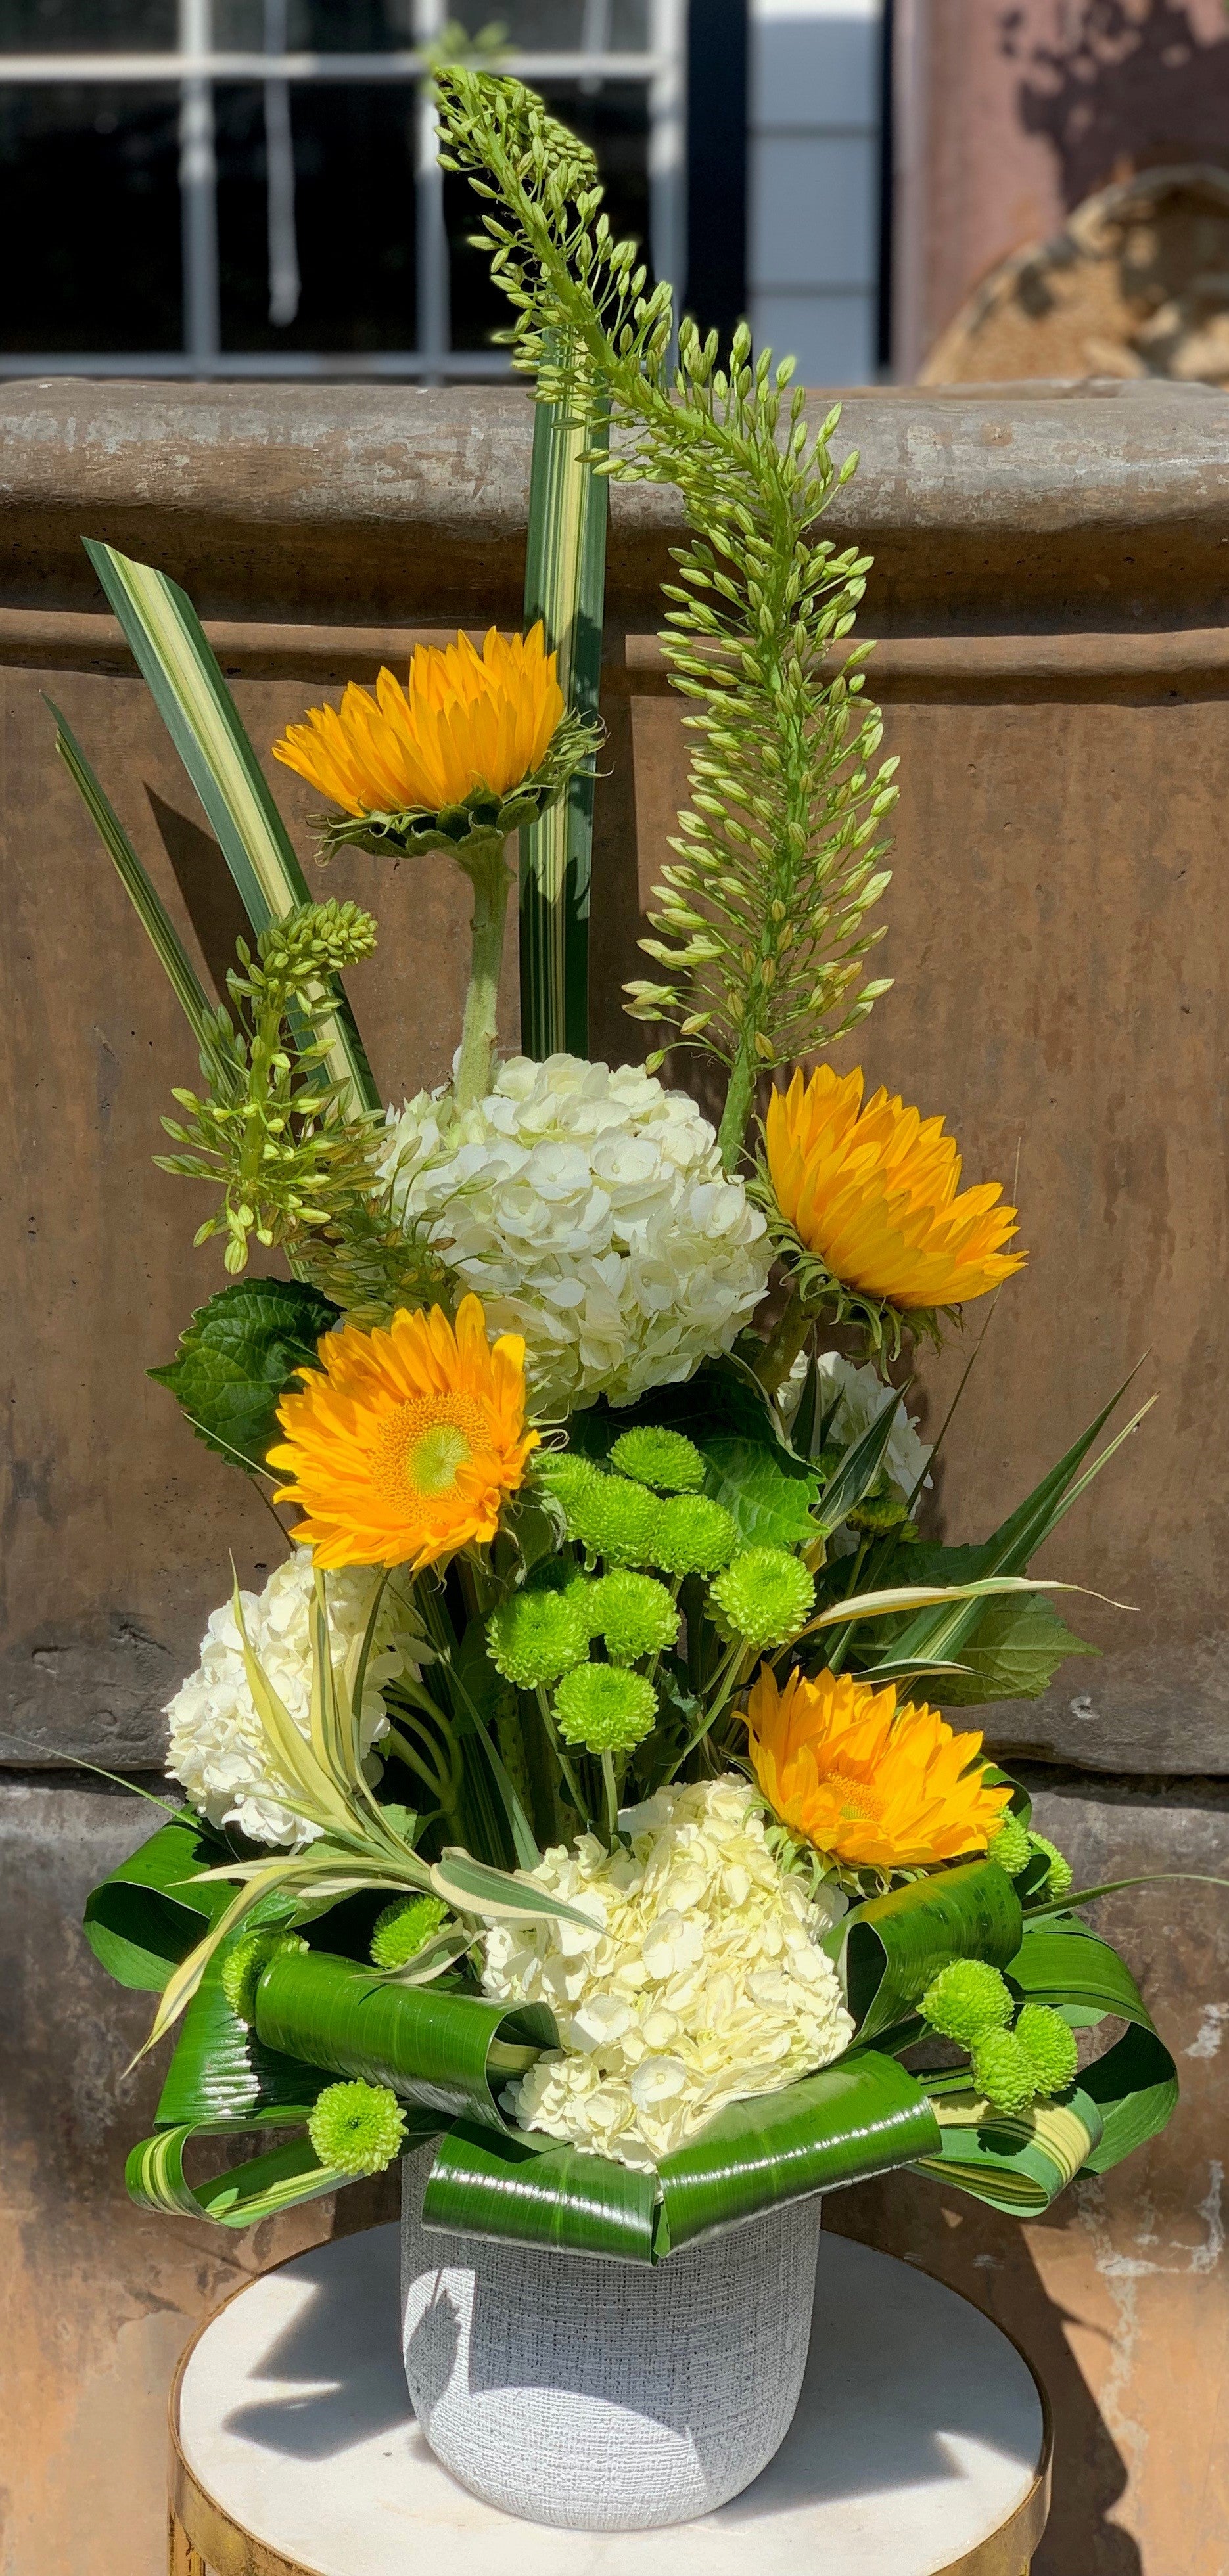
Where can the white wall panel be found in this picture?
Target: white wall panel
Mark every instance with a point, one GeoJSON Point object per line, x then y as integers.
{"type": "Point", "coordinates": [813, 184]}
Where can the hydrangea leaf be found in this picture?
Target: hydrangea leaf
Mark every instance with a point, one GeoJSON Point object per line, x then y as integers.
{"type": "Point", "coordinates": [1014, 1653]}
{"type": "Point", "coordinates": [237, 1358]}
{"type": "Point", "coordinates": [768, 1493]}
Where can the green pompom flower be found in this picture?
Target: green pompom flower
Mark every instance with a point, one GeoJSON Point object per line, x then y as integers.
{"type": "Point", "coordinates": [634, 1613]}
{"type": "Point", "coordinates": [1060, 1875]}
{"type": "Point", "coordinates": [1003, 2073]}
{"type": "Point", "coordinates": [1049, 2045]}
{"type": "Point", "coordinates": [663, 1459]}
{"type": "Point", "coordinates": [403, 1928]}
{"type": "Point", "coordinates": [966, 2002]}
{"type": "Point", "coordinates": [620, 1522]}
{"type": "Point", "coordinates": [245, 1963]}
{"type": "Point", "coordinates": [357, 2128]}
{"type": "Point", "coordinates": [605, 1708]}
{"type": "Point", "coordinates": [575, 1484]}
{"type": "Point", "coordinates": [693, 1536]}
{"type": "Point", "coordinates": [765, 1596]}
{"type": "Point", "coordinates": [1011, 1847]}
{"type": "Point", "coordinates": [537, 1635]}
{"type": "Point", "coordinates": [880, 1510]}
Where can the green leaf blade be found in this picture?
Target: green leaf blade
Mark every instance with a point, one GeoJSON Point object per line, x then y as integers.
{"type": "Point", "coordinates": [173, 655]}
{"type": "Point", "coordinates": [863, 2116]}
{"type": "Point", "coordinates": [432, 2045]}
{"type": "Point", "coordinates": [534, 2191]}
{"type": "Point", "coordinates": [893, 1945]}
{"type": "Point", "coordinates": [142, 1919]}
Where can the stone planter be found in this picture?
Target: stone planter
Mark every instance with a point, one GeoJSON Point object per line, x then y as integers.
{"type": "Point", "coordinates": [604, 2396]}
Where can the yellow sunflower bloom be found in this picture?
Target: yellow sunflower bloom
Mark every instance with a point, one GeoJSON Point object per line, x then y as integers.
{"type": "Point", "coordinates": [467, 720]}
{"type": "Point", "coordinates": [405, 1443]}
{"type": "Point", "coordinates": [873, 1785]}
{"type": "Point", "coordinates": [874, 1192]}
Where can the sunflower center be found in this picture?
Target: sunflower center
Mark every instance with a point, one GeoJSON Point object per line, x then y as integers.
{"type": "Point", "coordinates": [421, 1446]}
{"type": "Point", "coordinates": [860, 1803]}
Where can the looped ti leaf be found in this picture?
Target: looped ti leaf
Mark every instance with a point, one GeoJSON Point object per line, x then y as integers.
{"type": "Point", "coordinates": [444, 2050]}
{"type": "Point", "coordinates": [894, 1945]}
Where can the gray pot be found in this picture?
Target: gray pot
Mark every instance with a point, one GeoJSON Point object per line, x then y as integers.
{"type": "Point", "coordinates": [604, 2396]}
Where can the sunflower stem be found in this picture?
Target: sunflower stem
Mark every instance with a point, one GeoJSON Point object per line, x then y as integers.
{"type": "Point", "coordinates": [492, 884]}
{"type": "Point", "coordinates": [784, 1343]}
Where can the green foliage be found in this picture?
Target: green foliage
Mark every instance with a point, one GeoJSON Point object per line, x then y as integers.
{"type": "Point", "coordinates": [1014, 1653]}
{"type": "Point", "coordinates": [895, 1945]}
{"type": "Point", "coordinates": [763, 915]}
{"type": "Point", "coordinates": [242, 1965]}
{"type": "Point", "coordinates": [152, 1910]}
{"type": "Point", "coordinates": [239, 1356]}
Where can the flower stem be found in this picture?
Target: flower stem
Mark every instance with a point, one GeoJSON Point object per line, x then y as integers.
{"type": "Point", "coordinates": [492, 883]}
{"type": "Point", "coordinates": [738, 1099]}
{"type": "Point", "coordinates": [612, 1800]}
{"type": "Point", "coordinates": [784, 1343]}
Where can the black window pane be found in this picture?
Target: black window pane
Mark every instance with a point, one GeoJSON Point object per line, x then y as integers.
{"type": "Point", "coordinates": [614, 121]}
{"type": "Point", "coordinates": [557, 25]}
{"type": "Point", "coordinates": [89, 190]}
{"type": "Point", "coordinates": [318, 26]}
{"type": "Point", "coordinates": [354, 218]}
{"type": "Point", "coordinates": [87, 26]}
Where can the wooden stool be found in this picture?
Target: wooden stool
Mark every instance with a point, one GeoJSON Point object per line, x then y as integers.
{"type": "Point", "coordinates": [921, 2445]}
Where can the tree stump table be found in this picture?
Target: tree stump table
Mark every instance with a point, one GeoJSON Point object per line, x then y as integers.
{"type": "Point", "coordinates": [920, 2448]}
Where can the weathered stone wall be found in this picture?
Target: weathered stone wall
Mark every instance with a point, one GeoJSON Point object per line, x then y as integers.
{"type": "Point", "coordinates": [1050, 588]}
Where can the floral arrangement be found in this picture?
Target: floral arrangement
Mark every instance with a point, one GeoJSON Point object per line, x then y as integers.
{"type": "Point", "coordinates": [571, 1795]}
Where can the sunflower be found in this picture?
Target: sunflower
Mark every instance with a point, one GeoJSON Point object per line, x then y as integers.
{"type": "Point", "coordinates": [466, 721]}
{"type": "Point", "coordinates": [401, 1448]}
{"type": "Point", "coordinates": [873, 1192]}
{"type": "Point", "coordinates": [875, 1786]}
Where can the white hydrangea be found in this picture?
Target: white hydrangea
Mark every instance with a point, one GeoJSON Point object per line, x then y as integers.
{"type": "Point", "coordinates": [860, 1396]}
{"type": "Point", "coordinates": [218, 1749]}
{"type": "Point", "coordinates": [589, 1211]}
{"type": "Point", "coordinates": [700, 1983]}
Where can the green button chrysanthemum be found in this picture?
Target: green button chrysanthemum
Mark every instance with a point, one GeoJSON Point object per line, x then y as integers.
{"type": "Point", "coordinates": [1011, 1847]}
{"type": "Point", "coordinates": [575, 1484]}
{"type": "Point", "coordinates": [693, 1536]}
{"type": "Point", "coordinates": [765, 1596]}
{"type": "Point", "coordinates": [245, 1963]}
{"type": "Point", "coordinates": [967, 2001]}
{"type": "Point", "coordinates": [536, 1636]}
{"type": "Point", "coordinates": [620, 1522]}
{"type": "Point", "coordinates": [634, 1613]}
{"type": "Point", "coordinates": [1002, 2073]}
{"type": "Point", "coordinates": [357, 2128]}
{"type": "Point", "coordinates": [1060, 1874]}
{"type": "Point", "coordinates": [663, 1459]}
{"type": "Point", "coordinates": [605, 1708]}
{"type": "Point", "coordinates": [1049, 2045]}
{"type": "Point", "coordinates": [403, 1927]}
{"type": "Point", "coordinates": [881, 1510]}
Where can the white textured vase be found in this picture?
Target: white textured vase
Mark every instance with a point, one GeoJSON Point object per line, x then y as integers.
{"type": "Point", "coordinates": [604, 2396]}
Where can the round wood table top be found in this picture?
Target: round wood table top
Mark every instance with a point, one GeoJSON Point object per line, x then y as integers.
{"type": "Point", "coordinates": [920, 2446]}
